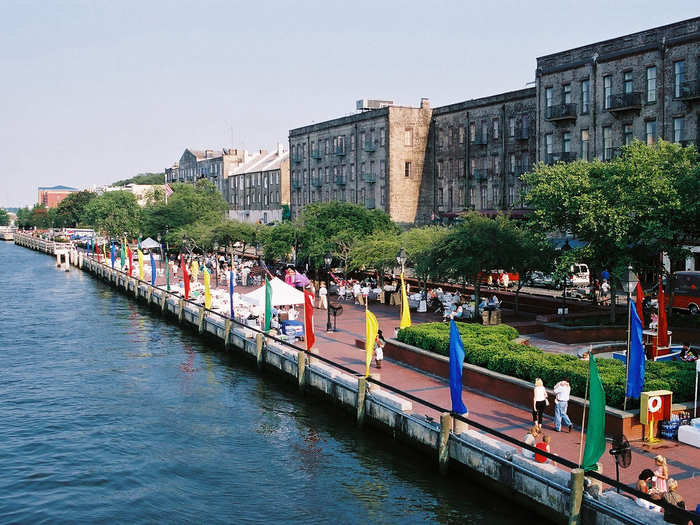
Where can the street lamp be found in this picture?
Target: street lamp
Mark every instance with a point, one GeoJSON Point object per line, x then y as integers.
{"type": "Point", "coordinates": [401, 258]}
{"type": "Point", "coordinates": [629, 283]}
{"type": "Point", "coordinates": [328, 259]}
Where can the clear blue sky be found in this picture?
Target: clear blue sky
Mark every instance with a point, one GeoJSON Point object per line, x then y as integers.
{"type": "Point", "coordinates": [96, 91]}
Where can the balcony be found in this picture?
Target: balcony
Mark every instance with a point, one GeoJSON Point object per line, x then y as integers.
{"type": "Point", "coordinates": [369, 178]}
{"type": "Point", "coordinates": [297, 158]}
{"type": "Point", "coordinates": [481, 175]}
{"type": "Point", "coordinates": [316, 182]}
{"type": "Point", "coordinates": [296, 185]}
{"type": "Point", "coordinates": [561, 156]}
{"type": "Point", "coordinates": [624, 102]}
{"type": "Point", "coordinates": [370, 204]}
{"type": "Point", "coordinates": [316, 154]}
{"type": "Point", "coordinates": [689, 90]}
{"type": "Point", "coordinates": [340, 180]}
{"type": "Point", "coordinates": [340, 151]}
{"type": "Point", "coordinates": [522, 134]}
{"type": "Point", "coordinates": [369, 146]}
{"type": "Point", "coordinates": [560, 112]}
{"type": "Point", "coordinates": [478, 140]}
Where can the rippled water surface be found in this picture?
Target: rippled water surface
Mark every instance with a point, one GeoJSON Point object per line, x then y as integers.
{"type": "Point", "coordinates": [108, 413]}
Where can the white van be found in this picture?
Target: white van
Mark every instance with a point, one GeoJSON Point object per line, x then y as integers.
{"type": "Point", "coordinates": [579, 275]}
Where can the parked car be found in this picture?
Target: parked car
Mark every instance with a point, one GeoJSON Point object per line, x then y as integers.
{"type": "Point", "coordinates": [542, 279]}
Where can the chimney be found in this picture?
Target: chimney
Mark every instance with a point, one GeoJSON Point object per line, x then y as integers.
{"type": "Point", "coordinates": [280, 149]}
{"type": "Point", "coordinates": [425, 103]}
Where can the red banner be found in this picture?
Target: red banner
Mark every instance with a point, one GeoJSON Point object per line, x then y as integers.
{"type": "Point", "coordinates": [662, 329]}
{"type": "Point", "coordinates": [640, 301]}
{"type": "Point", "coordinates": [309, 320]}
{"type": "Point", "coordinates": [130, 259]}
{"type": "Point", "coordinates": [185, 276]}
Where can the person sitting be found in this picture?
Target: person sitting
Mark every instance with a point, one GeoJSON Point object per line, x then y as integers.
{"type": "Point", "coordinates": [483, 305]}
{"type": "Point", "coordinates": [644, 483]}
{"type": "Point", "coordinates": [688, 354]}
{"type": "Point", "coordinates": [675, 499]}
{"type": "Point", "coordinates": [543, 445]}
{"type": "Point", "coordinates": [494, 302]}
{"type": "Point", "coordinates": [531, 439]}
{"type": "Point", "coordinates": [293, 314]}
{"type": "Point", "coordinates": [459, 313]}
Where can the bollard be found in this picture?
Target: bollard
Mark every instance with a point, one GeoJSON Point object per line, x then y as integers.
{"type": "Point", "coordinates": [361, 396]}
{"type": "Point", "coordinates": [301, 369]}
{"type": "Point", "coordinates": [576, 496]}
{"type": "Point", "coordinates": [200, 323]}
{"type": "Point", "coordinates": [182, 309]}
{"type": "Point", "coordinates": [459, 427]}
{"type": "Point", "coordinates": [149, 293]}
{"type": "Point", "coordinates": [58, 260]}
{"type": "Point", "coordinates": [259, 347]}
{"type": "Point", "coordinates": [444, 450]}
{"type": "Point", "coordinates": [227, 334]}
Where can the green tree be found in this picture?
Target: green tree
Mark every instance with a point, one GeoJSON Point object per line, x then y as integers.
{"type": "Point", "coordinates": [71, 209]}
{"type": "Point", "coordinates": [280, 242]}
{"type": "Point", "coordinates": [4, 217]}
{"type": "Point", "coordinates": [143, 178]}
{"type": "Point", "coordinates": [114, 213]}
{"type": "Point", "coordinates": [419, 244]}
{"type": "Point", "coordinates": [231, 232]}
{"type": "Point", "coordinates": [377, 252]}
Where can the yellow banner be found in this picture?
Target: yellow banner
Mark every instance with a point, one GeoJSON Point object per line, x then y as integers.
{"type": "Point", "coordinates": [371, 330]}
{"type": "Point", "coordinates": [405, 312]}
{"type": "Point", "coordinates": [140, 254]}
{"type": "Point", "coordinates": [207, 289]}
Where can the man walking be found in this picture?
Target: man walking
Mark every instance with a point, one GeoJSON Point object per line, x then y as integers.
{"type": "Point", "coordinates": [562, 390]}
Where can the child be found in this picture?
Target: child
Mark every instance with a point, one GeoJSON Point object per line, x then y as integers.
{"type": "Point", "coordinates": [543, 445]}
{"type": "Point", "coordinates": [660, 474]}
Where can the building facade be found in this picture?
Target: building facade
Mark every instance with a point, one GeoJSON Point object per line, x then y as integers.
{"type": "Point", "coordinates": [259, 188]}
{"type": "Point", "coordinates": [214, 165]}
{"type": "Point", "coordinates": [593, 99]}
{"type": "Point", "coordinates": [52, 196]}
{"type": "Point", "coordinates": [374, 159]}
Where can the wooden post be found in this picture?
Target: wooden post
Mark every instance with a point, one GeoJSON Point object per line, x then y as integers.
{"type": "Point", "coordinates": [227, 334]}
{"type": "Point", "coordinates": [182, 309]}
{"type": "Point", "coordinates": [149, 294]}
{"type": "Point", "coordinates": [164, 302]}
{"type": "Point", "coordinates": [301, 369]}
{"type": "Point", "coordinates": [200, 324]}
{"type": "Point", "coordinates": [576, 496]}
{"type": "Point", "coordinates": [259, 347]}
{"type": "Point", "coordinates": [444, 450]}
{"type": "Point", "coordinates": [361, 395]}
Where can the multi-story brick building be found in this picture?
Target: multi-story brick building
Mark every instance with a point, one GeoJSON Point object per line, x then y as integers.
{"type": "Point", "coordinates": [477, 151]}
{"type": "Point", "coordinates": [215, 165]}
{"type": "Point", "coordinates": [593, 99]}
{"type": "Point", "coordinates": [259, 188]}
{"type": "Point", "coordinates": [374, 158]}
{"type": "Point", "coordinates": [52, 196]}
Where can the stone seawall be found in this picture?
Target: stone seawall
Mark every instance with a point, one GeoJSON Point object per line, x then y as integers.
{"type": "Point", "coordinates": [554, 493]}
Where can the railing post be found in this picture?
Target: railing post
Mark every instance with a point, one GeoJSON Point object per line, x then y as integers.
{"type": "Point", "coordinates": [181, 310]}
{"type": "Point", "coordinates": [227, 334]}
{"type": "Point", "coordinates": [301, 369]}
{"type": "Point", "coordinates": [149, 294]}
{"type": "Point", "coordinates": [259, 348]}
{"type": "Point", "coordinates": [361, 396]}
{"type": "Point", "coordinates": [576, 496]}
{"type": "Point", "coordinates": [444, 448]}
{"type": "Point", "coordinates": [200, 323]}
{"type": "Point", "coordinates": [163, 301]}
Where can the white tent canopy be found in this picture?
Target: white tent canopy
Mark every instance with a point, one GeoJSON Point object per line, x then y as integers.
{"type": "Point", "coordinates": [282, 294]}
{"type": "Point", "coordinates": [149, 244]}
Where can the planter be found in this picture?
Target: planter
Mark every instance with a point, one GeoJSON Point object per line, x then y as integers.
{"type": "Point", "coordinates": [583, 334]}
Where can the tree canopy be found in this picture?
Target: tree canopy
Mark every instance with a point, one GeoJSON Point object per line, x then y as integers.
{"type": "Point", "coordinates": [114, 213]}
{"type": "Point", "coordinates": [142, 178]}
{"type": "Point", "coordinates": [70, 211]}
{"type": "Point", "coordinates": [4, 217]}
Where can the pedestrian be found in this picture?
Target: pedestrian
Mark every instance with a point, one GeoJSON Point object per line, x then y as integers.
{"type": "Point", "coordinates": [323, 297]}
{"type": "Point", "coordinates": [562, 391]}
{"type": "Point", "coordinates": [357, 292]}
{"type": "Point", "coordinates": [379, 348]}
{"type": "Point", "coordinates": [675, 499]}
{"type": "Point", "coordinates": [688, 354]}
{"type": "Point", "coordinates": [660, 474]}
{"type": "Point", "coordinates": [539, 402]}
{"type": "Point", "coordinates": [543, 445]}
{"type": "Point", "coordinates": [604, 291]}
{"type": "Point", "coordinates": [531, 439]}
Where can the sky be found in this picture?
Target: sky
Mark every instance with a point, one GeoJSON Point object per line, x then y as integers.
{"type": "Point", "coordinates": [96, 91]}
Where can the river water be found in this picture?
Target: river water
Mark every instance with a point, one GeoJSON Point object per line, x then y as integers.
{"type": "Point", "coordinates": [109, 413]}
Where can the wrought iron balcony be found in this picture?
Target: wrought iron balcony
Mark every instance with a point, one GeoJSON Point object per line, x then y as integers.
{"type": "Point", "coordinates": [296, 185]}
{"type": "Point", "coordinates": [481, 175]}
{"type": "Point", "coordinates": [297, 158]}
{"type": "Point", "coordinates": [316, 182]}
{"type": "Point", "coordinates": [560, 112]}
{"type": "Point", "coordinates": [340, 150]}
{"type": "Point", "coordinates": [370, 178]}
{"type": "Point", "coordinates": [369, 146]}
{"type": "Point", "coordinates": [689, 90]}
{"type": "Point", "coordinates": [316, 154]}
{"type": "Point", "coordinates": [340, 180]}
{"type": "Point", "coordinates": [624, 102]}
{"type": "Point", "coordinates": [370, 204]}
{"type": "Point", "coordinates": [560, 156]}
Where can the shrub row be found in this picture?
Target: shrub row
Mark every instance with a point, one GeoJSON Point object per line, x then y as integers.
{"type": "Point", "coordinates": [495, 348]}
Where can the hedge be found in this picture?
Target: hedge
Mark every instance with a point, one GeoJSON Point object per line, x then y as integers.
{"type": "Point", "coordinates": [495, 348]}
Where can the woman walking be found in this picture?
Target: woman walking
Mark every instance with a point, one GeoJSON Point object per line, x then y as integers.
{"type": "Point", "coordinates": [539, 402]}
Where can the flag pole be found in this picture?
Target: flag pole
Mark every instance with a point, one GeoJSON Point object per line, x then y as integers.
{"type": "Point", "coordinates": [627, 355]}
{"type": "Point", "coordinates": [585, 399]}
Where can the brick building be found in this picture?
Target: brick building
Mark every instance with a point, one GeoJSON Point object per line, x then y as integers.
{"type": "Point", "coordinates": [51, 196]}
{"type": "Point", "coordinates": [259, 187]}
{"type": "Point", "coordinates": [374, 158]}
{"type": "Point", "coordinates": [593, 99]}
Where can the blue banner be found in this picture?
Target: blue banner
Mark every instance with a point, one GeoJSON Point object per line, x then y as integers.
{"type": "Point", "coordinates": [232, 276]}
{"type": "Point", "coordinates": [114, 254]}
{"type": "Point", "coordinates": [456, 363]}
{"type": "Point", "coordinates": [153, 270]}
{"type": "Point", "coordinates": [637, 359]}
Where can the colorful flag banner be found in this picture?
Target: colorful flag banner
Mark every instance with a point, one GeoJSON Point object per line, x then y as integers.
{"type": "Point", "coordinates": [153, 270]}
{"type": "Point", "coordinates": [185, 276]}
{"type": "Point", "coordinates": [231, 286]}
{"type": "Point", "coordinates": [268, 305]}
{"type": "Point", "coordinates": [640, 303]}
{"type": "Point", "coordinates": [637, 360]}
{"type": "Point", "coordinates": [130, 260]}
{"type": "Point", "coordinates": [139, 254]}
{"type": "Point", "coordinates": [371, 331]}
{"type": "Point", "coordinates": [595, 429]}
{"type": "Point", "coordinates": [122, 256]}
{"type": "Point", "coordinates": [168, 192]}
{"type": "Point", "coordinates": [405, 312]}
{"type": "Point", "coordinates": [113, 254]}
{"type": "Point", "coordinates": [104, 251]}
{"type": "Point", "coordinates": [456, 365]}
{"type": "Point", "coordinates": [309, 320]}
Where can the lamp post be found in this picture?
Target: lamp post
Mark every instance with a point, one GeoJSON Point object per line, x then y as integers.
{"type": "Point", "coordinates": [215, 246]}
{"type": "Point", "coordinates": [401, 259]}
{"type": "Point", "coordinates": [160, 247]}
{"type": "Point", "coordinates": [629, 282]}
{"type": "Point", "coordinates": [328, 259]}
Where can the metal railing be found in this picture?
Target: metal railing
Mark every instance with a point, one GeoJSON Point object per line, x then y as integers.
{"type": "Point", "coordinates": [560, 156]}
{"type": "Point", "coordinates": [297, 157]}
{"type": "Point", "coordinates": [560, 112]}
{"type": "Point", "coordinates": [481, 174]}
{"type": "Point", "coordinates": [340, 150]}
{"type": "Point", "coordinates": [370, 178]}
{"type": "Point", "coordinates": [688, 90]}
{"type": "Point", "coordinates": [316, 182]}
{"type": "Point", "coordinates": [624, 101]}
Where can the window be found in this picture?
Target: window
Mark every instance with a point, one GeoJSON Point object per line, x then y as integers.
{"type": "Point", "coordinates": [408, 137]}
{"type": "Point", "coordinates": [461, 134]}
{"type": "Point", "coordinates": [607, 143]}
{"type": "Point", "coordinates": [472, 132]}
{"type": "Point", "coordinates": [566, 93]}
{"type": "Point", "coordinates": [473, 166]}
{"type": "Point", "coordinates": [651, 84]}
{"type": "Point", "coordinates": [382, 137]}
{"type": "Point", "coordinates": [484, 190]}
{"type": "Point", "coordinates": [382, 168]}
{"type": "Point", "coordinates": [325, 147]}
{"type": "Point", "coordinates": [352, 142]}
{"type": "Point", "coordinates": [607, 91]}
{"type": "Point", "coordinates": [678, 129]}
{"type": "Point", "coordinates": [627, 82]}
{"type": "Point", "coordinates": [549, 97]}
{"type": "Point", "coordinates": [496, 162]}
{"type": "Point", "coordinates": [585, 141]}
{"type": "Point", "coordinates": [548, 144]}
{"type": "Point", "coordinates": [627, 135]}
{"type": "Point", "coordinates": [461, 169]}
{"type": "Point", "coordinates": [449, 136]}
{"type": "Point", "coordinates": [678, 77]}
{"type": "Point", "coordinates": [326, 174]}
{"type": "Point", "coordinates": [352, 172]}
{"type": "Point", "coordinates": [526, 126]}
{"type": "Point", "coordinates": [441, 197]}
{"type": "Point", "coordinates": [650, 133]}
{"type": "Point", "coordinates": [484, 131]}
{"type": "Point", "coordinates": [511, 126]}
{"type": "Point", "coordinates": [407, 169]}
{"type": "Point", "coordinates": [566, 140]}
{"type": "Point", "coordinates": [511, 195]}
{"type": "Point", "coordinates": [495, 128]}
{"type": "Point", "coordinates": [440, 169]}
{"type": "Point", "coordinates": [512, 163]}
{"type": "Point", "coordinates": [525, 162]}
{"type": "Point", "coordinates": [352, 195]}
{"type": "Point", "coordinates": [472, 198]}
